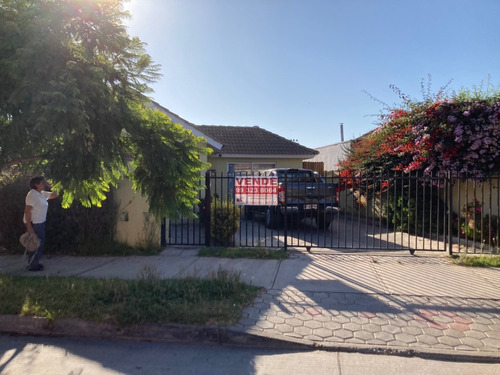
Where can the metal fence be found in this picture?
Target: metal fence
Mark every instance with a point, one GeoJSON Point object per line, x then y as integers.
{"type": "Point", "coordinates": [384, 212]}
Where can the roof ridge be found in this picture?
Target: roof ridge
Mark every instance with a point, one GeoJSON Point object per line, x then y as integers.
{"type": "Point", "coordinates": [254, 140]}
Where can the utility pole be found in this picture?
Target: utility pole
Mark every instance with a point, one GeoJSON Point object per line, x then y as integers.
{"type": "Point", "coordinates": [342, 132]}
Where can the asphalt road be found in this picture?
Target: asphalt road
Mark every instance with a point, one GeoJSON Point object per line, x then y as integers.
{"type": "Point", "coordinates": [54, 356]}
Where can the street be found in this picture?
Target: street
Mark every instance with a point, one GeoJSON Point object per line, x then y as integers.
{"type": "Point", "coordinates": [54, 356]}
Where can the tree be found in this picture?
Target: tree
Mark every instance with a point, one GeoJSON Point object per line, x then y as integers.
{"type": "Point", "coordinates": [73, 105]}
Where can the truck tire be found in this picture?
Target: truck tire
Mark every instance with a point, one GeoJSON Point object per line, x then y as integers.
{"type": "Point", "coordinates": [273, 218]}
{"type": "Point", "coordinates": [249, 214]}
{"type": "Point", "coordinates": [322, 222]}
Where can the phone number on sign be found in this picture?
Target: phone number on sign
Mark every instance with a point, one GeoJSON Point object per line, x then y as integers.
{"type": "Point", "coordinates": [256, 190]}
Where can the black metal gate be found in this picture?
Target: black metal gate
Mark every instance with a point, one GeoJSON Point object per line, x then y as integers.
{"type": "Point", "coordinates": [384, 212]}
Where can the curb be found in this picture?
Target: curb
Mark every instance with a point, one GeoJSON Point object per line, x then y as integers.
{"type": "Point", "coordinates": [227, 336]}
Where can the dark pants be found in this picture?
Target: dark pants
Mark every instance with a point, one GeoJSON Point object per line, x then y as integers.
{"type": "Point", "coordinates": [40, 232]}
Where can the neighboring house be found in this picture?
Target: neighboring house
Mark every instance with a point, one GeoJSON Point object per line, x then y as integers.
{"type": "Point", "coordinates": [236, 150]}
{"type": "Point", "coordinates": [250, 149]}
{"type": "Point", "coordinates": [332, 155]}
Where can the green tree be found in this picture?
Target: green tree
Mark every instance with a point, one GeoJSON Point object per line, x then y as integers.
{"type": "Point", "coordinates": [73, 105]}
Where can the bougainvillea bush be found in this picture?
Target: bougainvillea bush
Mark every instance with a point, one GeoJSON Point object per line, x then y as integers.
{"type": "Point", "coordinates": [460, 135]}
{"type": "Point", "coordinates": [441, 136]}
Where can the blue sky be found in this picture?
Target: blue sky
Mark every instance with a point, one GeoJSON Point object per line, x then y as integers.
{"type": "Point", "coordinates": [299, 68]}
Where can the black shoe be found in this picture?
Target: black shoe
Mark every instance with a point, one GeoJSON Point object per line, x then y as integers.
{"type": "Point", "coordinates": [40, 267]}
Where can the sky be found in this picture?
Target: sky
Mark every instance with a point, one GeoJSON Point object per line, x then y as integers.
{"type": "Point", "coordinates": [300, 68]}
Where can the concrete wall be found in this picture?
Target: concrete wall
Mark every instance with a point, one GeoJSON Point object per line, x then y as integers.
{"type": "Point", "coordinates": [135, 226]}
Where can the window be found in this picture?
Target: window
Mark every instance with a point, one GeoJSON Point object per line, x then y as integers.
{"type": "Point", "coordinates": [241, 169]}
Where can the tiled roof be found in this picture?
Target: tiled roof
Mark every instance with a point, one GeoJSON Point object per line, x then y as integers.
{"type": "Point", "coordinates": [252, 140]}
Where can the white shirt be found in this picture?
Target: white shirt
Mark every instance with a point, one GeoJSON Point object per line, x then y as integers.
{"type": "Point", "coordinates": [40, 205]}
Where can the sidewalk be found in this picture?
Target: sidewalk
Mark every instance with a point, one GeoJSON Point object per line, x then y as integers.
{"type": "Point", "coordinates": [371, 302]}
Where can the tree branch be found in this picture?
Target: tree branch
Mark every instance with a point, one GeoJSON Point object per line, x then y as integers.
{"type": "Point", "coordinates": [20, 161]}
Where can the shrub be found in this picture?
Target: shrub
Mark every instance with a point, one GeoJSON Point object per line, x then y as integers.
{"type": "Point", "coordinates": [414, 208]}
{"type": "Point", "coordinates": [477, 227]}
{"type": "Point", "coordinates": [224, 222]}
{"type": "Point", "coordinates": [76, 230]}
{"type": "Point", "coordinates": [13, 190]}
{"type": "Point", "coordinates": [81, 230]}
{"type": "Point", "coordinates": [458, 135]}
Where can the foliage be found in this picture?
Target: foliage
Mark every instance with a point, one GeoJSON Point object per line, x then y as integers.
{"type": "Point", "coordinates": [168, 174]}
{"type": "Point", "coordinates": [73, 106]}
{"type": "Point", "coordinates": [78, 230]}
{"type": "Point", "coordinates": [414, 206]}
{"type": "Point", "coordinates": [479, 227]}
{"type": "Point", "coordinates": [459, 135]}
{"type": "Point", "coordinates": [81, 230]}
{"type": "Point", "coordinates": [218, 300]}
{"type": "Point", "coordinates": [478, 261]}
{"type": "Point", "coordinates": [13, 189]}
{"type": "Point", "coordinates": [224, 221]}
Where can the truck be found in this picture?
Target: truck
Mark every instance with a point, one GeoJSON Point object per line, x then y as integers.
{"type": "Point", "coordinates": [302, 193]}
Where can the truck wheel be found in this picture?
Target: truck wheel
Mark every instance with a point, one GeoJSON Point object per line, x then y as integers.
{"type": "Point", "coordinates": [273, 218]}
{"type": "Point", "coordinates": [323, 222]}
{"type": "Point", "coordinates": [249, 213]}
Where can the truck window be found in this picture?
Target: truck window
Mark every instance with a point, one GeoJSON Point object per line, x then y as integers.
{"type": "Point", "coordinates": [296, 176]}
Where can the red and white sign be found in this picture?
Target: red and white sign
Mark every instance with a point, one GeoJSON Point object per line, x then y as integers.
{"type": "Point", "coordinates": [256, 191]}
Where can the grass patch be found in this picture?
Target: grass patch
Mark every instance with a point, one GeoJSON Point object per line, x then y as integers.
{"type": "Point", "coordinates": [243, 252]}
{"type": "Point", "coordinates": [98, 249]}
{"type": "Point", "coordinates": [112, 248]}
{"type": "Point", "coordinates": [477, 260]}
{"type": "Point", "coordinates": [218, 300]}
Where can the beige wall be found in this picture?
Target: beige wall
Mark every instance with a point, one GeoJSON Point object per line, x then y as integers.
{"type": "Point", "coordinates": [486, 193]}
{"type": "Point", "coordinates": [222, 188]}
{"type": "Point", "coordinates": [135, 227]}
{"type": "Point", "coordinates": [220, 164]}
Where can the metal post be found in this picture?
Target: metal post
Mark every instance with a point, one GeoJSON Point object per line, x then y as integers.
{"type": "Point", "coordinates": [285, 218]}
{"type": "Point", "coordinates": [207, 209]}
{"type": "Point", "coordinates": [450, 214]}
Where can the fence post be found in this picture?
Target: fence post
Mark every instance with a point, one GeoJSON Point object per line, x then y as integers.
{"type": "Point", "coordinates": [450, 214]}
{"type": "Point", "coordinates": [285, 216]}
{"type": "Point", "coordinates": [208, 204]}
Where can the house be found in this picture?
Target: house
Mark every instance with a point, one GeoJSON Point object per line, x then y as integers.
{"type": "Point", "coordinates": [236, 150]}
{"type": "Point", "coordinates": [250, 149]}
{"type": "Point", "coordinates": [245, 149]}
{"type": "Point", "coordinates": [332, 155]}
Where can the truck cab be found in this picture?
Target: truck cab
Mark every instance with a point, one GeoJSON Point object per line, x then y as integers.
{"type": "Point", "coordinates": [302, 193]}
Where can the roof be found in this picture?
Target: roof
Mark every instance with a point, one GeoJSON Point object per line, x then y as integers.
{"type": "Point", "coordinates": [242, 141]}
{"type": "Point", "coordinates": [186, 124]}
{"type": "Point", "coordinates": [253, 141]}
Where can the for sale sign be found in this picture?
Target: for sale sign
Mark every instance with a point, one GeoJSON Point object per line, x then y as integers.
{"type": "Point", "coordinates": [256, 191]}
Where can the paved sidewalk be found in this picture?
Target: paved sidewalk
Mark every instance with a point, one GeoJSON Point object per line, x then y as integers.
{"type": "Point", "coordinates": [384, 302]}
{"type": "Point", "coordinates": [364, 301]}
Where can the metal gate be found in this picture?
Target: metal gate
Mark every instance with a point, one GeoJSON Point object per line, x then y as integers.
{"type": "Point", "coordinates": [383, 212]}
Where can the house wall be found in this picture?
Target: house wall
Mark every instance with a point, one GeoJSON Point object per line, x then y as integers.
{"type": "Point", "coordinates": [332, 155]}
{"type": "Point", "coordinates": [220, 164]}
{"type": "Point", "coordinates": [134, 227]}
{"type": "Point", "coordinates": [225, 189]}
{"type": "Point", "coordinates": [487, 193]}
